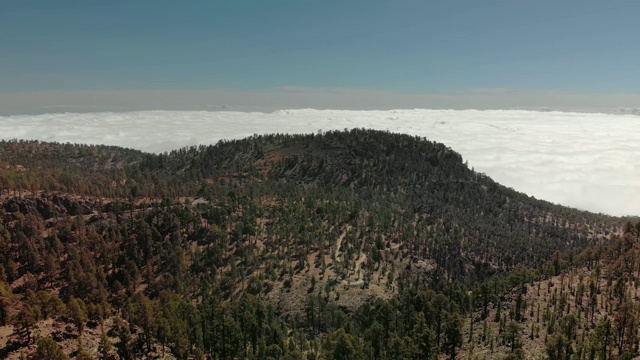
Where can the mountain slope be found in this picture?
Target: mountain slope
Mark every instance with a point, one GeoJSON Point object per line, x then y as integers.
{"type": "Point", "coordinates": [281, 238]}
{"type": "Point", "coordinates": [587, 309]}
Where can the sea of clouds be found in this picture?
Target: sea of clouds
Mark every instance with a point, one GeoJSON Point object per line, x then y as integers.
{"type": "Point", "coordinates": [587, 161]}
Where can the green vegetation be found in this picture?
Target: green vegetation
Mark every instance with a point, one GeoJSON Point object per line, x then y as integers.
{"type": "Point", "coordinates": [343, 245]}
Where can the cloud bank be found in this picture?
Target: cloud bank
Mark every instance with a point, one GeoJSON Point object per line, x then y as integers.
{"type": "Point", "coordinates": [587, 161]}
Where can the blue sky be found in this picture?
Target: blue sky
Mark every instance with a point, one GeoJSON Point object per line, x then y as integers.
{"type": "Point", "coordinates": [395, 46]}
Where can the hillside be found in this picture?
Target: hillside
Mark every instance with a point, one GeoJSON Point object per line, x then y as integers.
{"type": "Point", "coordinates": [587, 309]}
{"type": "Point", "coordinates": [355, 244]}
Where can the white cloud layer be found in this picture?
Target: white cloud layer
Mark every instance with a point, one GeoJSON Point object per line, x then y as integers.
{"type": "Point", "coordinates": [587, 161]}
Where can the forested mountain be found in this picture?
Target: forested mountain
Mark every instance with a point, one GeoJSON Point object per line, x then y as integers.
{"type": "Point", "coordinates": [341, 245]}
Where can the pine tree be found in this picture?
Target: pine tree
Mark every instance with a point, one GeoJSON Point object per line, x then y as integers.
{"type": "Point", "coordinates": [48, 349]}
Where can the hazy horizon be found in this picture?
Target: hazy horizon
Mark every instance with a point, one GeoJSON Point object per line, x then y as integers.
{"type": "Point", "coordinates": [41, 102]}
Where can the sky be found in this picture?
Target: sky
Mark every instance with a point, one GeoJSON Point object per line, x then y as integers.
{"type": "Point", "coordinates": [266, 54]}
